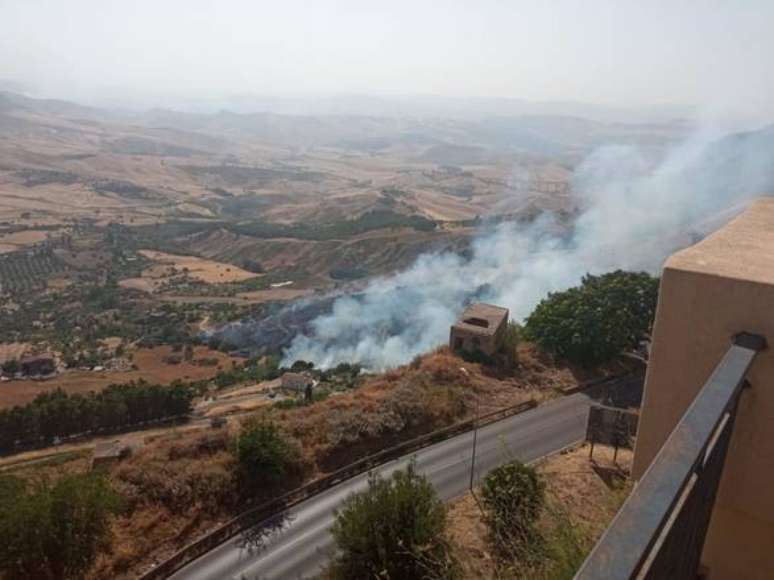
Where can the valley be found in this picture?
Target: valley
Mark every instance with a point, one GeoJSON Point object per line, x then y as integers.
{"type": "Point", "coordinates": [152, 228]}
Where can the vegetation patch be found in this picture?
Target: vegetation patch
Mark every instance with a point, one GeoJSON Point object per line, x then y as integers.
{"type": "Point", "coordinates": [597, 321]}
{"type": "Point", "coordinates": [513, 497]}
{"type": "Point", "coordinates": [393, 530]}
{"type": "Point", "coordinates": [57, 415]}
{"type": "Point", "coordinates": [266, 457]}
{"type": "Point", "coordinates": [54, 529]}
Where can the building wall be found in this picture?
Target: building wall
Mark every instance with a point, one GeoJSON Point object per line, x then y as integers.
{"type": "Point", "coordinates": [709, 292]}
{"type": "Point", "coordinates": [486, 343]}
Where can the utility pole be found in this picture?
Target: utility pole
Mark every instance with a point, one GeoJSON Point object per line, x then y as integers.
{"type": "Point", "coordinates": [475, 438]}
{"type": "Point", "coordinates": [473, 458]}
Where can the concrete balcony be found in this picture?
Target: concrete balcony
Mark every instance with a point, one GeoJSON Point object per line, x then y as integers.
{"type": "Point", "coordinates": [709, 294]}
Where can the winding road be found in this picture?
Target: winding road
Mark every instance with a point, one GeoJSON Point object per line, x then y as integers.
{"type": "Point", "coordinates": [300, 544]}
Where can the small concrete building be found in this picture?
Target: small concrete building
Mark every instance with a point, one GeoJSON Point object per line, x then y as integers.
{"type": "Point", "coordinates": [481, 328]}
{"type": "Point", "coordinates": [109, 452]}
{"type": "Point", "coordinates": [296, 382]}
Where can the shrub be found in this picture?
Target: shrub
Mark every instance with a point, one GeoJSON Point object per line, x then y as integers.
{"type": "Point", "coordinates": [11, 366]}
{"type": "Point", "coordinates": [266, 456]}
{"type": "Point", "coordinates": [301, 365]}
{"type": "Point", "coordinates": [393, 530]}
{"type": "Point", "coordinates": [54, 530]}
{"type": "Point", "coordinates": [511, 342]}
{"type": "Point", "coordinates": [598, 320]}
{"type": "Point", "coordinates": [293, 403]}
{"type": "Point", "coordinates": [513, 497]}
{"type": "Point", "coordinates": [194, 475]}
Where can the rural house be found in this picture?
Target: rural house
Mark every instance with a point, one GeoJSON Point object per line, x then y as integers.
{"type": "Point", "coordinates": [296, 382]}
{"type": "Point", "coordinates": [109, 452]}
{"type": "Point", "coordinates": [480, 328]}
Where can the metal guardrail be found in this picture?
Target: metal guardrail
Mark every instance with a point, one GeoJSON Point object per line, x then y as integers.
{"type": "Point", "coordinates": [254, 516]}
{"type": "Point", "coordinates": [659, 531]}
{"type": "Point", "coordinates": [276, 506]}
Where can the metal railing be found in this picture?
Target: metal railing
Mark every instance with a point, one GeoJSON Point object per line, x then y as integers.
{"type": "Point", "coordinates": [659, 532]}
{"type": "Point", "coordinates": [255, 515]}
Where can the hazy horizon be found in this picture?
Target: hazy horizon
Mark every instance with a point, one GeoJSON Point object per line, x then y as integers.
{"type": "Point", "coordinates": [710, 56]}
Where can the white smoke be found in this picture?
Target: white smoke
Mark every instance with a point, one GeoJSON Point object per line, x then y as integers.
{"type": "Point", "coordinates": [634, 213]}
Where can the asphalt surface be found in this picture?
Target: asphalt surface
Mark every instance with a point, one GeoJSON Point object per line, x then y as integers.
{"type": "Point", "coordinates": [298, 545]}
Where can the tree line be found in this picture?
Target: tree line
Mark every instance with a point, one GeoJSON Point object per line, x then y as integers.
{"type": "Point", "coordinates": [56, 414]}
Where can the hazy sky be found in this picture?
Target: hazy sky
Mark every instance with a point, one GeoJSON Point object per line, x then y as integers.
{"type": "Point", "coordinates": [622, 52]}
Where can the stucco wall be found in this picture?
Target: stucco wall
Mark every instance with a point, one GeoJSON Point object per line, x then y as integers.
{"type": "Point", "coordinates": [487, 343]}
{"type": "Point", "coordinates": [709, 292]}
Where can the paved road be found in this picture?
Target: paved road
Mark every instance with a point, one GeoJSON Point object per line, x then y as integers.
{"type": "Point", "coordinates": [303, 544]}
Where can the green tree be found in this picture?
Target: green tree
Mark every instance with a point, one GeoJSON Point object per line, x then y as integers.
{"type": "Point", "coordinates": [598, 320]}
{"type": "Point", "coordinates": [513, 496]}
{"type": "Point", "coordinates": [54, 530]}
{"type": "Point", "coordinates": [393, 530]}
{"type": "Point", "coordinates": [266, 456]}
{"type": "Point", "coordinates": [11, 366]}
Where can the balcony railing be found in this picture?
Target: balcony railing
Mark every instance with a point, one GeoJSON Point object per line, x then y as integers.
{"type": "Point", "coordinates": [659, 532]}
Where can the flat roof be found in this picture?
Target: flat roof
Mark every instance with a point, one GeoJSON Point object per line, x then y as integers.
{"type": "Point", "coordinates": [490, 315]}
{"type": "Point", "coordinates": [742, 249]}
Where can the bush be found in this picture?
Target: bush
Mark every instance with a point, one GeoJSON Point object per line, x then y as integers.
{"type": "Point", "coordinates": [598, 320]}
{"type": "Point", "coordinates": [11, 366]}
{"type": "Point", "coordinates": [266, 456]}
{"type": "Point", "coordinates": [393, 530]}
{"type": "Point", "coordinates": [296, 402]}
{"type": "Point", "coordinates": [193, 475]}
{"type": "Point", "coordinates": [511, 342]}
{"type": "Point", "coordinates": [54, 531]}
{"type": "Point", "coordinates": [513, 497]}
{"type": "Point", "coordinates": [301, 365]}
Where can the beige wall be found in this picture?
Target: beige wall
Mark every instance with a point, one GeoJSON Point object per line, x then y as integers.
{"type": "Point", "coordinates": [709, 292]}
{"type": "Point", "coordinates": [486, 343]}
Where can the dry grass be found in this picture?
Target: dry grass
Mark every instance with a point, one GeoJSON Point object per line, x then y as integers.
{"type": "Point", "coordinates": [435, 391]}
{"type": "Point", "coordinates": [181, 483]}
{"type": "Point", "coordinates": [582, 498]}
{"type": "Point", "coordinates": [274, 294]}
{"type": "Point", "coordinates": [170, 267]}
{"type": "Point", "coordinates": [24, 238]}
{"type": "Point", "coordinates": [175, 488]}
{"type": "Point", "coordinates": [207, 271]}
{"type": "Point", "coordinates": [13, 350]}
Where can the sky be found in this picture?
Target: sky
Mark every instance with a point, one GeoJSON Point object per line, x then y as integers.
{"type": "Point", "coordinates": [713, 54]}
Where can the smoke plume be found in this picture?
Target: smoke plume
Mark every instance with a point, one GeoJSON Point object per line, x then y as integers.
{"type": "Point", "coordinates": [633, 213]}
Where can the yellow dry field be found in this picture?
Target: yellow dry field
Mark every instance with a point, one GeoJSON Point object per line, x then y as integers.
{"type": "Point", "coordinates": [170, 265]}
{"type": "Point", "coordinates": [244, 298]}
{"type": "Point", "coordinates": [229, 408]}
{"type": "Point", "coordinates": [274, 294]}
{"type": "Point", "coordinates": [58, 283]}
{"type": "Point", "coordinates": [142, 284]}
{"type": "Point", "coordinates": [207, 271]}
{"type": "Point", "coordinates": [12, 350]}
{"type": "Point", "coordinates": [257, 388]}
{"type": "Point", "coordinates": [25, 238]}
{"type": "Point", "coordinates": [151, 366]}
